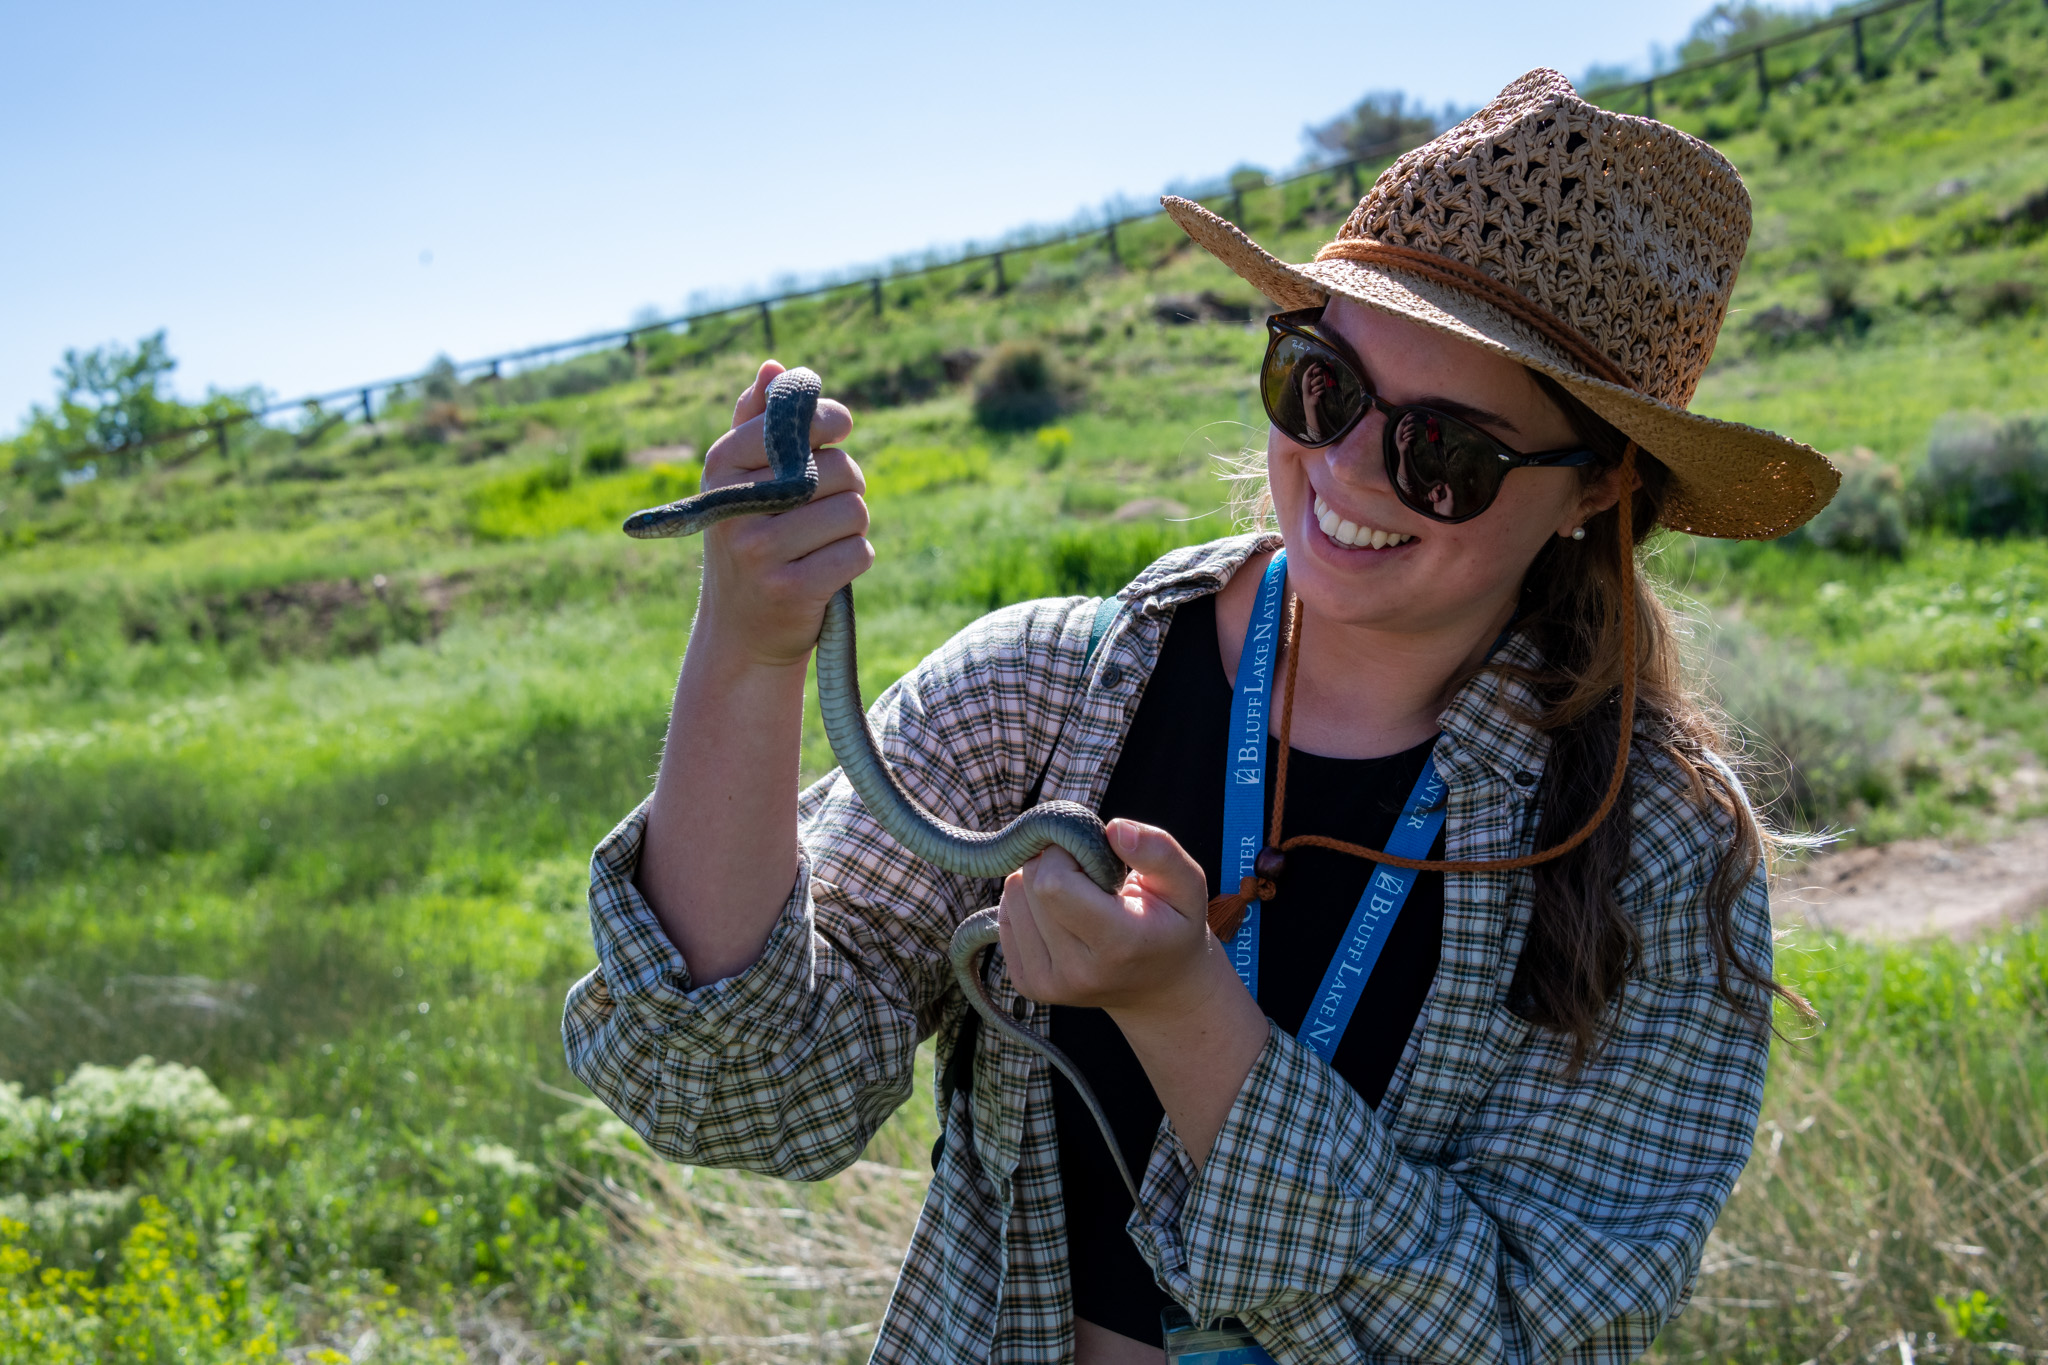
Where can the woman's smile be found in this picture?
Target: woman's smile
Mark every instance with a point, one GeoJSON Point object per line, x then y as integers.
{"type": "Point", "coordinates": [1351, 534]}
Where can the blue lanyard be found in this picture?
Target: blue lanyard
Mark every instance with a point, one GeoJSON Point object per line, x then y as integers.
{"type": "Point", "coordinates": [1244, 834]}
{"type": "Point", "coordinates": [1244, 768]}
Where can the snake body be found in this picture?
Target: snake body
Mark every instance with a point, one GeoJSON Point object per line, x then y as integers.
{"type": "Point", "coordinates": [792, 401]}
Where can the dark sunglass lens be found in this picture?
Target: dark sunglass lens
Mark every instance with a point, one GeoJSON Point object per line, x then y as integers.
{"type": "Point", "coordinates": [1447, 469]}
{"type": "Point", "coordinates": [1310, 395]}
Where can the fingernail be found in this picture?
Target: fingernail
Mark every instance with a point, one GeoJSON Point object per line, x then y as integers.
{"type": "Point", "coordinates": [1124, 835]}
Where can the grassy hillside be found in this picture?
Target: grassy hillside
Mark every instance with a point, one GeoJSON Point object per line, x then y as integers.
{"type": "Point", "coordinates": [302, 750]}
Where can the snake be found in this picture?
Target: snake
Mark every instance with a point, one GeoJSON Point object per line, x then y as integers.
{"type": "Point", "coordinates": [792, 401]}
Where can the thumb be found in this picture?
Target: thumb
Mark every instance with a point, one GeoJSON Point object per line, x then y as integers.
{"type": "Point", "coordinates": [754, 401]}
{"type": "Point", "coordinates": [1164, 868]}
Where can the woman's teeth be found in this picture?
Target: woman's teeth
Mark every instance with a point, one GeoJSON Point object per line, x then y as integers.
{"type": "Point", "coordinates": [1351, 533]}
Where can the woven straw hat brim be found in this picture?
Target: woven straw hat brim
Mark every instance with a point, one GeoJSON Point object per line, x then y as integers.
{"type": "Point", "coordinates": [1727, 480]}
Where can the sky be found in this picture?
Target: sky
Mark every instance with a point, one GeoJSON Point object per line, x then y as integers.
{"type": "Point", "coordinates": [313, 196]}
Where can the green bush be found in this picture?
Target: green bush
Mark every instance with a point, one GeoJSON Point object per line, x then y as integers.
{"type": "Point", "coordinates": [1987, 476]}
{"type": "Point", "coordinates": [103, 1124]}
{"type": "Point", "coordinates": [1868, 513]}
{"type": "Point", "coordinates": [1824, 748]}
{"type": "Point", "coordinates": [1092, 560]}
{"type": "Point", "coordinates": [1019, 388]}
{"type": "Point", "coordinates": [901, 471]}
{"type": "Point", "coordinates": [605, 455]}
{"type": "Point", "coordinates": [549, 500]}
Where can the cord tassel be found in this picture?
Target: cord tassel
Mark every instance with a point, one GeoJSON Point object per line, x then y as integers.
{"type": "Point", "coordinates": [1226, 913]}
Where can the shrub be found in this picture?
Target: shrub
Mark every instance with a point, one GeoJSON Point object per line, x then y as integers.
{"type": "Point", "coordinates": [1987, 477]}
{"type": "Point", "coordinates": [103, 1124]}
{"type": "Point", "coordinates": [1868, 513]}
{"type": "Point", "coordinates": [606, 455]}
{"type": "Point", "coordinates": [162, 1306]}
{"type": "Point", "coordinates": [1824, 747]}
{"type": "Point", "coordinates": [899, 471]}
{"type": "Point", "coordinates": [1019, 388]}
{"type": "Point", "coordinates": [549, 499]}
{"type": "Point", "coordinates": [1089, 560]}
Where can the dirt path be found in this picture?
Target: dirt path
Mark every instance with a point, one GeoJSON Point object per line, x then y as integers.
{"type": "Point", "coordinates": [1919, 886]}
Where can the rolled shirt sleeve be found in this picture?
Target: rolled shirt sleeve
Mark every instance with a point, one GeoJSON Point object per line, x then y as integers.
{"type": "Point", "coordinates": [788, 1067]}
{"type": "Point", "coordinates": [1566, 1221]}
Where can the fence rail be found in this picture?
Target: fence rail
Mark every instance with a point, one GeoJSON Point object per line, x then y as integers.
{"type": "Point", "coordinates": [1851, 22]}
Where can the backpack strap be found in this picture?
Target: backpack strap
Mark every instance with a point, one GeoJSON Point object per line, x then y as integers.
{"type": "Point", "coordinates": [959, 1074]}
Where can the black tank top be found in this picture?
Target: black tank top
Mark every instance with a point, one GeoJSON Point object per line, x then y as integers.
{"type": "Point", "coordinates": [1171, 775]}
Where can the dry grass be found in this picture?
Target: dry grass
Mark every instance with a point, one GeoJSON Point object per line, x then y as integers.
{"type": "Point", "coordinates": [1892, 1179]}
{"type": "Point", "coordinates": [749, 1268]}
{"type": "Point", "coordinates": [1886, 1188]}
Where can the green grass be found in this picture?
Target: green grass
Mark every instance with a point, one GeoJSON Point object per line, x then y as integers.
{"type": "Point", "coordinates": [302, 752]}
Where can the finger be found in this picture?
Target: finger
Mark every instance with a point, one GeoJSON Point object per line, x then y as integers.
{"type": "Point", "coordinates": [1024, 951]}
{"type": "Point", "coordinates": [831, 424]}
{"type": "Point", "coordinates": [754, 401]}
{"type": "Point", "coordinates": [837, 473]}
{"type": "Point", "coordinates": [738, 456]}
{"type": "Point", "coordinates": [1164, 868]}
{"type": "Point", "coordinates": [1078, 920]}
{"type": "Point", "coordinates": [840, 520]}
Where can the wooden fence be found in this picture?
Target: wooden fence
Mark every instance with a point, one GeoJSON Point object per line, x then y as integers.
{"type": "Point", "coordinates": [1893, 23]}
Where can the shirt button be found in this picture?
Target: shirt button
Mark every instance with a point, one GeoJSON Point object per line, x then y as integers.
{"type": "Point", "coordinates": [1113, 676]}
{"type": "Point", "coordinates": [1019, 1008]}
{"type": "Point", "coordinates": [1525, 779]}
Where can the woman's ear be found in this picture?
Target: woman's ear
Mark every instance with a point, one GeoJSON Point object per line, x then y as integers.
{"type": "Point", "coordinates": [1594, 498]}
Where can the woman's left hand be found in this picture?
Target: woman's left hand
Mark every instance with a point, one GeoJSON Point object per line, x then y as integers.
{"type": "Point", "coordinates": [1145, 954]}
{"type": "Point", "coordinates": [1139, 950]}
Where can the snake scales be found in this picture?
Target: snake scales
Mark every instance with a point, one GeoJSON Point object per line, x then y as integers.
{"type": "Point", "coordinates": [792, 401]}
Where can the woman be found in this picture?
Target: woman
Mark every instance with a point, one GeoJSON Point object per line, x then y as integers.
{"type": "Point", "coordinates": [1483, 1108]}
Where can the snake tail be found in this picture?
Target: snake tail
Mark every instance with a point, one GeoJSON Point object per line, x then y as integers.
{"type": "Point", "coordinates": [975, 936]}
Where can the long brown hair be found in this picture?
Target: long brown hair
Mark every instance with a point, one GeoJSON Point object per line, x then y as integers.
{"type": "Point", "coordinates": [1582, 944]}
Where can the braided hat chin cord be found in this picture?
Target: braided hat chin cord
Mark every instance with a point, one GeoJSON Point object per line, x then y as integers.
{"type": "Point", "coordinates": [1226, 912]}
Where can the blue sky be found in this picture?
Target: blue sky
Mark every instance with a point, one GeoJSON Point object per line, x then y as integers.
{"type": "Point", "coordinates": [310, 196]}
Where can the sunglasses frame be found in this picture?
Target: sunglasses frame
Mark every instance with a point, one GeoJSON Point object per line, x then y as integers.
{"type": "Point", "coordinates": [1303, 323]}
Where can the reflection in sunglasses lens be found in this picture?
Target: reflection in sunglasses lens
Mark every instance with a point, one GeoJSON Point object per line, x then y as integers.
{"type": "Point", "coordinates": [1441, 467]}
{"type": "Point", "coordinates": [1310, 394]}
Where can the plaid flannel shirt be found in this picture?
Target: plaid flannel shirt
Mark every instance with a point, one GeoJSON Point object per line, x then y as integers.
{"type": "Point", "coordinates": [1488, 1210]}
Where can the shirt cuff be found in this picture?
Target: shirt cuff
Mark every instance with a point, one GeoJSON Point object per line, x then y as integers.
{"type": "Point", "coordinates": [644, 972]}
{"type": "Point", "coordinates": [1223, 1239]}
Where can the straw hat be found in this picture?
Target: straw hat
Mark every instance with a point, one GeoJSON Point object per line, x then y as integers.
{"type": "Point", "coordinates": [1598, 248]}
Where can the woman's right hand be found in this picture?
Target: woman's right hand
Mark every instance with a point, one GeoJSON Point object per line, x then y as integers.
{"type": "Point", "coordinates": [767, 578]}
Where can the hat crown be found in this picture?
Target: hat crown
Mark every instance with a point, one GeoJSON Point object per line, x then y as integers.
{"type": "Point", "coordinates": [1628, 230]}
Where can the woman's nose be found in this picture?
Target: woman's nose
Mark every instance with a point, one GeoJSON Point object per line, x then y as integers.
{"type": "Point", "coordinates": [1357, 459]}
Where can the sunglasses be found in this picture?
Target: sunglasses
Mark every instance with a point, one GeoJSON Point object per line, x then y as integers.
{"type": "Point", "coordinates": [1446, 469]}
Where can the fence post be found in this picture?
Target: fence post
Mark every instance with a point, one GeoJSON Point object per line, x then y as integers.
{"type": "Point", "coordinates": [1941, 22]}
{"type": "Point", "coordinates": [1351, 169]}
{"type": "Point", "coordinates": [1115, 257]}
{"type": "Point", "coordinates": [1002, 284]}
{"type": "Point", "coordinates": [767, 326]}
{"type": "Point", "coordinates": [220, 438]}
{"type": "Point", "coordinates": [1856, 33]}
{"type": "Point", "coordinates": [369, 414]}
{"type": "Point", "coordinates": [875, 293]}
{"type": "Point", "coordinates": [1237, 207]}
{"type": "Point", "coordinates": [1649, 99]}
{"type": "Point", "coordinates": [1763, 80]}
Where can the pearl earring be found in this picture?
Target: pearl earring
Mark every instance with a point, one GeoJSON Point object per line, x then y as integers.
{"type": "Point", "coordinates": [1578, 533]}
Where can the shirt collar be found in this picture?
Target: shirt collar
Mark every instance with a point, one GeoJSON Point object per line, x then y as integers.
{"type": "Point", "coordinates": [1485, 719]}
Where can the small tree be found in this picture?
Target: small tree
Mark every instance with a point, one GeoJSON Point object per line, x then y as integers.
{"type": "Point", "coordinates": [110, 409]}
{"type": "Point", "coordinates": [1382, 119]}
